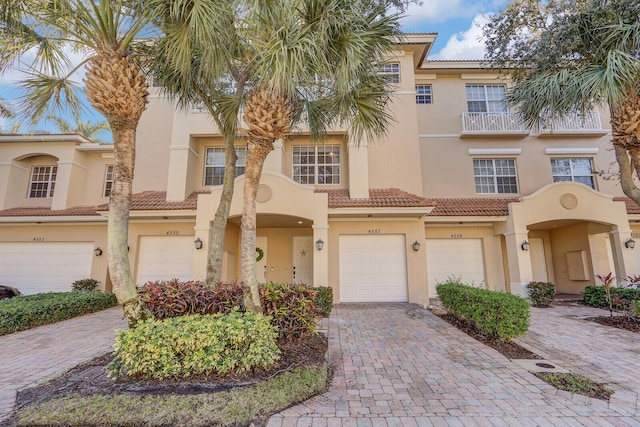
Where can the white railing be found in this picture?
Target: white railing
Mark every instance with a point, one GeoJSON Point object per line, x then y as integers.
{"type": "Point", "coordinates": [573, 123]}
{"type": "Point", "coordinates": [492, 123]}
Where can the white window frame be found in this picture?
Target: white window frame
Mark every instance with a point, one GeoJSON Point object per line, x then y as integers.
{"type": "Point", "coordinates": [313, 173]}
{"type": "Point", "coordinates": [477, 93]}
{"type": "Point", "coordinates": [42, 182]}
{"type": "Point", "coordinates": [424, 94]}
{"type": "Point", "coordinates": [241, 152]}
{"type": "Point", "coordinates": [572, 174]}
{"type": "Point", "coordinates": [390, 72]}
{"type": "Point", "coordinates": [109, 179]}
{"type": "Point", "coordinates": [490, 183]}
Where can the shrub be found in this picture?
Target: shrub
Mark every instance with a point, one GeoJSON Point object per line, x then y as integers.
{"type": "Point", "coordinates": [596, 295]}
{"type": "Point", "coordinates": [85, 285]}
{"type": "Point", "coordinates": [293, 308]}
{"type": "Point", "coordinates": [20, 313]}
{"type": "Point", "coordinates": [541, 293]}
{"type": "Point", "coordinates": [498, 315]}
{"type": "Point", "coordinates": [184, 346]}
{"type": "Point", "coordinates": [324, 300]}
{"type": "Point", "coordinates": [175, 298]}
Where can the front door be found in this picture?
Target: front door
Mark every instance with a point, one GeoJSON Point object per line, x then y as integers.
{"type": "Point", "coordinates": [302, 270]}
{"type": "Point", "coordinates": [538, 260]}
{"type": "Point", "coordinates": [261, 265]}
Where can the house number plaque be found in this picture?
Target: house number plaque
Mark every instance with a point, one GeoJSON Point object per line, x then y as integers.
{"type": "Point", "coordinates": [374, 231]}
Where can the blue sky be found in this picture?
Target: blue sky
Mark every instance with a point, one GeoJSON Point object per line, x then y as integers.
{"type": "Point", "coordinates": [457, 22]}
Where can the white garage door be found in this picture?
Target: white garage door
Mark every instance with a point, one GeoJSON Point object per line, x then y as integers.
{"type": "Point", "coordinates": [459, 258]}
{"type": "Point", "coordinates": [43, 266]}
{"type": "Point", "coordinates": [373, 268]}
{"type": "Point", "coordinates": [165, 258]}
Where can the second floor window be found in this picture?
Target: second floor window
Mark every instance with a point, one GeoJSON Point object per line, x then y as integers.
{"type": "Point", "coordinates": [108, 181]}
{"type": "Point", "coordinates": [486, 99]}
{"type": "Point", "coordinates": [423, 94]}
{"type": "Point", "coordinates": [495, 176]}
{"type": "Point", "coordinates": [576, 169]}
{"type": "Point", "coordinates": [43, 181]}
{"type": "Point", "coordinates": [316, 165]}
{"type": "Point", "coordinates": [390, 72]}
{"type": "Point", "coordinates": [214, 164]}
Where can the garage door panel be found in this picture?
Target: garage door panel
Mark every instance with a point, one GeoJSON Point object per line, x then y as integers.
{"type": "Point", "coordinates": [458, 258]}
{"type": "Point", "coordinates": [373, 268]}
{"type": "Point", "coordinates": [165, 258]}
{"type": "Point", "coordinates": [44, 266]}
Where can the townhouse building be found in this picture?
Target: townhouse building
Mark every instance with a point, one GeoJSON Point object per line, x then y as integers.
{"type": "Point", "coordinates": [458, 188]}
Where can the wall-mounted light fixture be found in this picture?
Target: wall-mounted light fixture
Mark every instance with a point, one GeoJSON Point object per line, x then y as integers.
{"type": "Point", "coordinates": [319, 244]}
{"type": "Point", "coordinates": [416, 246]}
{"type": "Point", "coordinates": [629, 243]}
{"type": "Point", "coordinates": [525, 246]}
{"type": "Point", "coordinates": [98, 251]}
{"type": "Point", "coordinates": [198, 243]}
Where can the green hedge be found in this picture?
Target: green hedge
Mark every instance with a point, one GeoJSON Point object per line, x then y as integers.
{"type": "Point", "coordinates": [293, 309]}
{"type": "Point", "coordinates": [180, 347]}
{"type": "Point", "coordinates": [500, 316]}
{"type": "Point", "coordinates": [541, 293]}
{"type": "Point", "coordinates": [324, 300]}
{"type": "Point", "coordinates": [595, 295]}
{"type": "Point", "coordinates": [20, 313]}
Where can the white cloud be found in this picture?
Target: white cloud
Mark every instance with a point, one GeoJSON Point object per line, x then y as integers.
{"type": "Point", "coordinates": [432, 11]}
{"type": "Point", "coordinates": [466, 44]}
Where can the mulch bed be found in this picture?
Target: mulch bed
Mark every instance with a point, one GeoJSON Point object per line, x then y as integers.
{"type": "Point", "coordinates": [90, 378]}
{"type": "Point", "coordinates": [508, 349]}
{"type": "Point", "coordinates": [620, 322]}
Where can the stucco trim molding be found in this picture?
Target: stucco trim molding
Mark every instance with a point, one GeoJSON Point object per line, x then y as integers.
{"type": "Point", "coordinates": [183, 147]}
{"type": "Point", "coordinates": [572, 150]}
{"type": "Point", "coordinates": [495, 151]}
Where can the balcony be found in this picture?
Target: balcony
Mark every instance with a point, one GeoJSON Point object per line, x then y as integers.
{"type": "Point", "coordinates": [493, 124]}
{"type": "Point", "coordinates": [575, 124]}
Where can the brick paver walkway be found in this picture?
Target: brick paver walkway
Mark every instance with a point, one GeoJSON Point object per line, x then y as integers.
{"type": "Point", "coordinates": [398, 365]}
{"type": "Point", "coordinates": [28, 357]}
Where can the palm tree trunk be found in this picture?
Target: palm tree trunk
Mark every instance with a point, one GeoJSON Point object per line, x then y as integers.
{"type": "Point", "coordinates": [118, 227]}
{"type": "Point", "coordinates": [257, 151]}
{"type": "Point", "coordinates": [218, 226]}
{"type": "Point", "coordinates": [625, 128]}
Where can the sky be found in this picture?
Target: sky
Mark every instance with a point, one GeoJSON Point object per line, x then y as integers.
{"type": "Point", "coordinates": [457, 22]}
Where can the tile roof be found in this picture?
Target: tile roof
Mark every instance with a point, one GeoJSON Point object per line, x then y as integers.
{"type": "Point", "coordinates": [157, 200]}
{"type": "Point", "coordinates": [472, 207]}
{"type": "Point", "coordinates": [378, 198]}
{"type": "Point", "coordinates": [632, 207]}
{"type": "Point", "coordinates": [75, 211]}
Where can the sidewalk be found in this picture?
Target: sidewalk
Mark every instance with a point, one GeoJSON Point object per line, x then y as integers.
{"type": "Point", "coordinates": [30, 356]}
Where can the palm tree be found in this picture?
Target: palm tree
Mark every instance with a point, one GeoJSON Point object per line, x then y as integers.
{"type": "Point", "coordinates": [595, 60]}
{"type": "Point", "coordinates": [87, 129]}
{"type": "Point", "coordinates": [5, 110]}
{"type": "Point", "coordinates": [104, 31]}
{"type": "Point", "coordinates": [313, 61]}
{"type": "Point", "coordinates": [283, 62]}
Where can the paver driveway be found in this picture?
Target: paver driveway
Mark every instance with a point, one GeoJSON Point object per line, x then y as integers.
{"type": "Point", "coordinates": [30, 356]}
{"type": "Point", "coordinates": [398, 365]}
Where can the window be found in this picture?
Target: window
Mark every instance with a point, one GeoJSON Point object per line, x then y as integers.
{"type": "Point", "coordinates": [390, 72]}
{"type": "Point", "coordinates": [108, 181]}
{"type": "Point", "coordinates": [43, 181]}
{"type": "Point", "coordinates": [486, 99]}
{"type": "Point", "coordinates": [214, 164]}
{"type": "Point", "coordinates": [495, 176]}
{"type": "Point", "coordinates": [316, 165]}
{"type": "Point", "coordinates": [423, 94]}
{"type": "Point", "coordinates": [577, 170]}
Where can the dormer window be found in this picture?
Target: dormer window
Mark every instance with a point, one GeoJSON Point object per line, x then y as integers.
{"type": "Point", "coordinates": [43, 181]}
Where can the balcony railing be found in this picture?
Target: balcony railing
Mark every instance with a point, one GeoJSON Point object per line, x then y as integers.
{"type": "Point", "coordinates": [492, 123]}
{"type": "Point", "coordinates": [573, 124]}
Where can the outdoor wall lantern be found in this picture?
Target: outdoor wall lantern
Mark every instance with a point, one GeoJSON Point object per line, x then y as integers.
{"type": "Point", "coordinates": [525, 246]}
{"type": "Point", "coordinates": [629, 243]}
{"type": "Point", "coordinates": [416, 246]}
{"type": "Point", "coordinates": [198, 243]}
{"type": "Point", "coordinates": [98, 251]}
{"type": "Point", "coordinates": [319, 244]}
